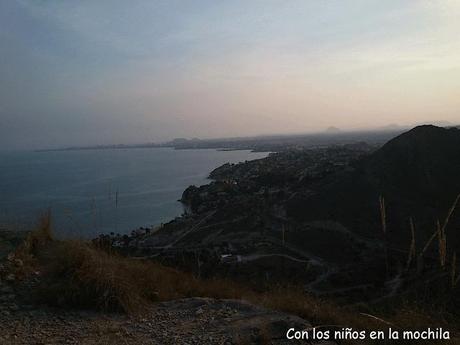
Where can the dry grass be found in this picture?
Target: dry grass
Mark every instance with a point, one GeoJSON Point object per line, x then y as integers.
{"type": "Point", "coordinates": [383, 219]}
{"type": "Point", "coordinates": [35, 240]}
{"type": "Point", "coordinates": [442, 245]}
{"type": "Point", "coordinates": [412, 248]}
{"type": "Point", "coordinates": [440, 231]}
{"type": "Point", "coordinates": [39, 237]}
{"type": "Point", "coordinates": [80, 274]}
{"type": "Point", "coordinates": [293, 300]}
{"type": "Point", "coordinates": [383, 214]}
{"type": "Point", "coordinates": [86, 276]}
{"type": "Point", "coordinates": [454, 276]}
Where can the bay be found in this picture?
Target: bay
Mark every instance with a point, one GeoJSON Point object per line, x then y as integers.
{"type": "Point", "coordinates": [101, 191]}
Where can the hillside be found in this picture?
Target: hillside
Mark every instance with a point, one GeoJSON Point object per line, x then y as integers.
{"type": "Point", "coordinates": [422, 164]}
{"type": "Point", "coordinates": [72, 292]}
{"type": "Point", "coordinates": [417, 174]}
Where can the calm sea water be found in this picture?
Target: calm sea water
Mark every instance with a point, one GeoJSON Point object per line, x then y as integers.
{"type": "Point", "coordinates": [101, 191]}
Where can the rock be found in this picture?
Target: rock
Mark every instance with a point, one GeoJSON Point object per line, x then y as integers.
{"type": "Point", "coordinates": [18, 263]}
{"type": "Point", "coordinates": [10, 256]}
{"type": "Point", "coordinates": [9, 297]}
{"type": "Point", "coordinates": [4, 289]}
{"type": "Point", "coordinates": [13, 307]}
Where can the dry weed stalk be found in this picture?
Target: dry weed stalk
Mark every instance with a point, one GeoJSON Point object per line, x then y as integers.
{"type": "Point", "coordinates": [455, 278]}
{"type": "Point", "coordinates": [442, 245]}
{"type": "Point", "coordinates": [36, 239]}
{"type": "Point", "coordinates": [383, 218]}
{"type": "Point", "coordinates": [412, 248]}
{"type": "Point", "coordinates": [441, 230]}
{"type": "Point", "coordinates": [383, 215]}
{"type": "Point", "coordinates": [451, 211]}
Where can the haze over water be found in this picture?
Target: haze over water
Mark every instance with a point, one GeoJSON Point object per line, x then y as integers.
{"type": "Point", "coordinates": [81, 187]}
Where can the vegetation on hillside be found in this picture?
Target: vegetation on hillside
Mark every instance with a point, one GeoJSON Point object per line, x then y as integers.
{"type": "Point", "coordinates": [80, 274]}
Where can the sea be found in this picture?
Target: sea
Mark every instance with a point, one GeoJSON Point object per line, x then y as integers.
{"type": "Point", "coordinates": [90, 192]}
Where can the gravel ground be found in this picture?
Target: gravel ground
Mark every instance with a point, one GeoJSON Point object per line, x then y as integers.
{"type": "Point", "coordinates": [187, 321]}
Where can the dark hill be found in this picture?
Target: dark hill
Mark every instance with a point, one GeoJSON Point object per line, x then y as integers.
{"type": "Point", "coordinates": [418, 173]}
{"type": "Point", "coordinates": [422, 163]}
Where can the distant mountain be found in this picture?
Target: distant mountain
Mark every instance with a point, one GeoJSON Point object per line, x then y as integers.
{"type": "Point", "coordinates": [333, 130]}
{"type": "Point", "coordinates": [392, 127]}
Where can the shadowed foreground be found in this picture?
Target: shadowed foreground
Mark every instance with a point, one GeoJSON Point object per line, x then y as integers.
{"type": "Point", "coordinates": [55, 292]}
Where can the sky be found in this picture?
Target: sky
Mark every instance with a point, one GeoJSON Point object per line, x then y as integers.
{"type": "Point", "coordinates": [113, 71]}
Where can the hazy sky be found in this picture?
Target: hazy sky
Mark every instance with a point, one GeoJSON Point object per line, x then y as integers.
{"type": "Point", "coordinates": [116, 71]}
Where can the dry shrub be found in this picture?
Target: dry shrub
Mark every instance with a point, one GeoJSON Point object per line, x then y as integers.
{"type": "Point", "coordinates": [80, 274]}
{"type": "Point", "coordinates": [85, 276]}
{"type": "Point", "coordinates": [25, 254]}
{"type": "Point", "coordinates": [295, 301]}
{"type": "Point", "coordinates": [38, 237]}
